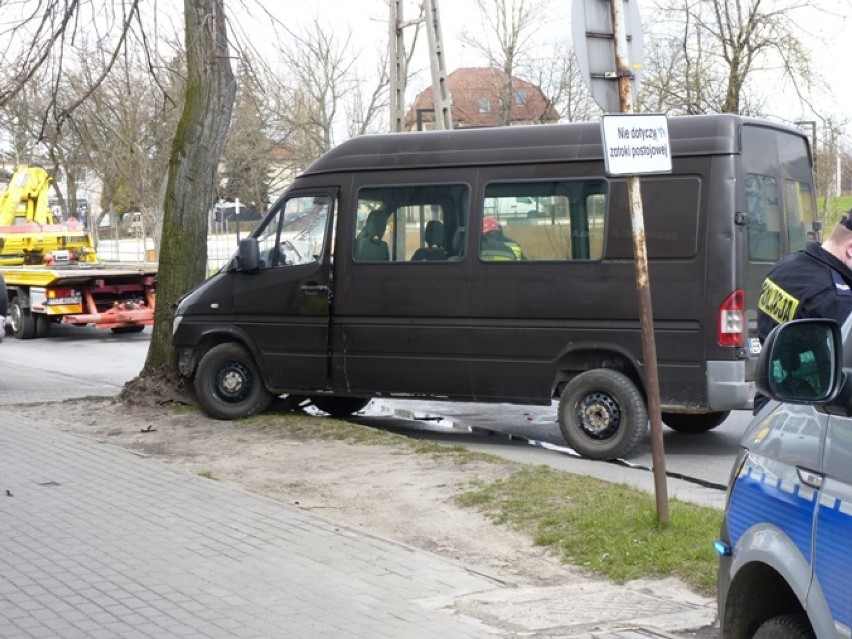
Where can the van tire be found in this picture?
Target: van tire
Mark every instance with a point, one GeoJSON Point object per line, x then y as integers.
{"type": "Point", "coordinates": [339, 406]}
{"type": "Point", "coordinates": [693, 423]}
{"type": "Point", "coordinates": [602, 415]}
{"type": "Point", "coordinates": [228, 383]}
{"type": "Point", "coordinates": [785, 627]}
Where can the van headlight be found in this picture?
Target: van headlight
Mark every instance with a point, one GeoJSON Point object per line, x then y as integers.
{"type": "Point", "coordinates": [175, 323]}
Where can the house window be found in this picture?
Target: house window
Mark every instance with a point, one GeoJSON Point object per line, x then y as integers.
{"type": "Point", "coordinates": [521, 96]}
{"type": "Point", "coordinates": [485, 105]}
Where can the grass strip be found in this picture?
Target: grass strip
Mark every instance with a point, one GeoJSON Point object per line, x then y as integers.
{"type": "Point", "coordinates": [609, 529]}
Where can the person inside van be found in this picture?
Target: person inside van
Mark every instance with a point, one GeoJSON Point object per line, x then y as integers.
{"type": "Point", "coordinates": [813, 282]}
{"type": "Point", "coordinates": [495, 245]}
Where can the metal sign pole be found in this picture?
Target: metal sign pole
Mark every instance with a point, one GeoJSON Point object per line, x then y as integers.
{"type": "Point", "coordinates": [643, 286]}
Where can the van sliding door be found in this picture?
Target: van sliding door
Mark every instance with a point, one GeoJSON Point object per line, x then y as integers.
{"type": "Point", "coordinates": [402, 298]}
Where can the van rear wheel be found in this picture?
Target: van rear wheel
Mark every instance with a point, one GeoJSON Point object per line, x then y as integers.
{"type": "Point", "coordinates": [228, 383]}
{"type": "Point", "coordinates": [339, 406]}
{"type": "Point", "coordinates": [692, 423]}
{"type": "Point", "coordinates": [602, 414]}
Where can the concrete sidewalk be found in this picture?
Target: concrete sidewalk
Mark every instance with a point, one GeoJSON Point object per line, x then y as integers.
{"type": "Point", "coordinates": [99, 542]}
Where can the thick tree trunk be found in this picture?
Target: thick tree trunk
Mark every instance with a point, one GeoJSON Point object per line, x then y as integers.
{"type": "Point", "coordinates": [192, 176]}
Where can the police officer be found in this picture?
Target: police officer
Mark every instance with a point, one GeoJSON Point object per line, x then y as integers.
{"type": "Point", "coordinates": [813, 282]}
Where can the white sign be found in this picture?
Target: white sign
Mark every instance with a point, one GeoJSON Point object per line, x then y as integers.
{"type": "Point", "coordinates": [636, 144]}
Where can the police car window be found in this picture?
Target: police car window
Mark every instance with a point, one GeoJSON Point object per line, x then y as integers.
{"type": "Point", "coordinates": [763, 207]}
{"type": "Point", "coordinates": [295, 234]}
{"type": "Point", "coordinates": [558, 220]}
{"type": "Point", "coordinates": [415, 224]}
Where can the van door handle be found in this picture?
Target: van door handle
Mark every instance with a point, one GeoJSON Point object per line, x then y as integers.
{"type": "Point", "coordinates": [313, 289]}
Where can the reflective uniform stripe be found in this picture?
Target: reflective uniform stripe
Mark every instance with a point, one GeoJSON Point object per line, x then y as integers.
{"type": "Point", "coordinates": [776, 302]}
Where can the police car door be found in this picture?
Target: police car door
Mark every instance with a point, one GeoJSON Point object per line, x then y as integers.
{"type": "Point", "coordinates": [832, 555]}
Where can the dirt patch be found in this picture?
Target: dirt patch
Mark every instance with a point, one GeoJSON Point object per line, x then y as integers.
{"type": "Point", "coordinates": [387, 490]}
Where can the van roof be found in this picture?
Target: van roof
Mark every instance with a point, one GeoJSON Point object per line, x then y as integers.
{"type": "Point", "coordinates": [689, 135]}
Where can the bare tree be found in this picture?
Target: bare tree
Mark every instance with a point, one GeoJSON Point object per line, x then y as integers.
{"type": "Point", "coordinates": [248, 149]}
{"type": "Point", "coordinates": [505, 42]}
{"type": "Point", "coordinates": [560, 79]}
{"type": "Point", "coordinates": [321, 93]}
{"type": "Point", "coordinates": [719, 49]}
{"type": "Point", "coordinates": [125, 128]}
{"type": "Point", "coordinates": [51, 32]}
{"type": "Point", "coordinates": [828, 150]}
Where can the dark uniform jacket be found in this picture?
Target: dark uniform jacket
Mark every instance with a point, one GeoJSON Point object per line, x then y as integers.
{"type": "Point", "coordinates": [808, 283]}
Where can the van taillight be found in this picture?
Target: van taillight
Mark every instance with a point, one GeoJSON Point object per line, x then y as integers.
{"type": "Point", "coordinates": [732, 324]}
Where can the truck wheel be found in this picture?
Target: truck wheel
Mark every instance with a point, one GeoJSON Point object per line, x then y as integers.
{"type": "Point", "coordinates": [4, 298]}
{"type": "Point", "coordinates": [785, 627]}
{"type": "Point", "coordinates": [602, 414]}
{"type": "Point", "coordinates": [228, 383]}
{"type": "Point", "coordinates": [42, 325]}
{"type": "Point", "coordinates": [339, 406]}
{"type": "Point", "coordinates": [22, 320]}
{"type": "Point", "coordinates": [692, 423]}
{"type": "Point", "coordinates": [125, 330]}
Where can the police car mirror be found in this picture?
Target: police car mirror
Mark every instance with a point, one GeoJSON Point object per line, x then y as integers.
{"type": "Point", "coordinates": [801, 362]}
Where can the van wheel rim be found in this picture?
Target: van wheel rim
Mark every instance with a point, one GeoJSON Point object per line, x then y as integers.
{"type": "Point", "coordinates": [599, 415]}
{"type": "Point", "coordinates": [233, 382]}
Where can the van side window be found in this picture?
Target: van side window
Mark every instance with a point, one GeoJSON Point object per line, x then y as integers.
{"type": "Point", "coordinates": [295, 234]}
{"type": "Point", "coordinates": [561, 220]}
{"type": "Point", "coordinates": [764, 218]}
{"type": "Point", "coordinates": [415, 224]}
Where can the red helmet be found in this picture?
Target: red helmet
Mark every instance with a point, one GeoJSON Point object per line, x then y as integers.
{"type": "Point", "coordinates": [489, 225]}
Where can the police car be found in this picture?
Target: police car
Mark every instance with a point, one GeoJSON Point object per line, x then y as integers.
{"type": "Point", "coordinates": [785, 553]}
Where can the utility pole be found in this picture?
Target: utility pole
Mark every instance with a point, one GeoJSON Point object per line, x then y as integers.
{"type": "Point", "coordinates": [399, 67]}
{"type": "Point", "coordinates": [440, 90]}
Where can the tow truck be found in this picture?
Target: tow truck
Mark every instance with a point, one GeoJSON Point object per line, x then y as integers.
{"type": "Point", "coordinates": [52, 273]}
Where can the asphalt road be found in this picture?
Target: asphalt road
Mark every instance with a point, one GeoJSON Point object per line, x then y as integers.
{"type": "Point", "coordinates": [77, 362]}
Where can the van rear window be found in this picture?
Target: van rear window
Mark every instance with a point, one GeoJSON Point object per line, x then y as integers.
{"type": "Point", "coordinates": [778, 214]}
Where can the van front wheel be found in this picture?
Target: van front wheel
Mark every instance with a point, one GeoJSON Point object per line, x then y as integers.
{"type": "Point", "coordinates": [602, 414]}
{"type": "Point", "coordinates": [228, 383]}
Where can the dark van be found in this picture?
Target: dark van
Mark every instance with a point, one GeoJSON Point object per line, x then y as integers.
{"type": "Point", "coordinates": [496, 265]}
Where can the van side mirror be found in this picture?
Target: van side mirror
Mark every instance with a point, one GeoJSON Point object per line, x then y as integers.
{"type": "Point", "coordinates": [801, 362]}
{"type": "Point", "coordinates": [248, 254]}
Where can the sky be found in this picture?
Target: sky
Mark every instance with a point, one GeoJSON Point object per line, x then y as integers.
{"type": "Point", "coordinates": [826, 35]}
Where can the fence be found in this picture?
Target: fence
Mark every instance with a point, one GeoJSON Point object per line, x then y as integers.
{"type": "Point", "coordinates": [220, 248]}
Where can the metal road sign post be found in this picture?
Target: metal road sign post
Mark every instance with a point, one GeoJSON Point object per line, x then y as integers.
{"type": "Point", "coordinates": [633, 144]}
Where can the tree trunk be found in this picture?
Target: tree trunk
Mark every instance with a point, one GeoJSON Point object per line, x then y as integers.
{"type": "Point", "coordinates": [192, 174]}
